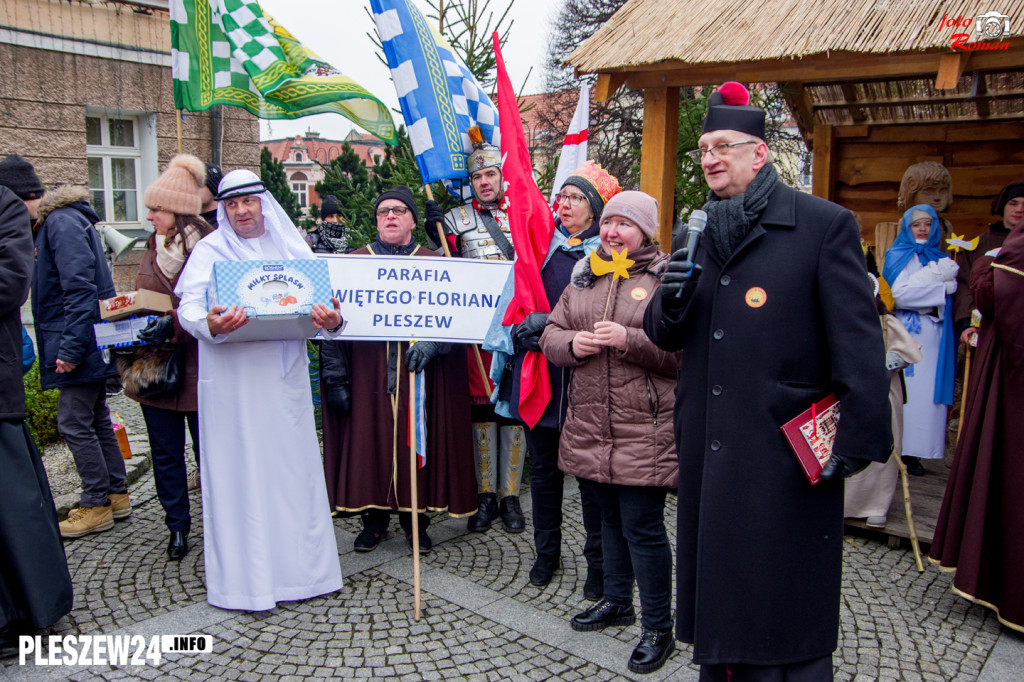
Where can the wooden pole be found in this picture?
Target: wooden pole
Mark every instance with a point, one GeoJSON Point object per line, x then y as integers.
{"type": "Point", "coordinates": [963, 390]}
{"type": "Point", "coordinates": [414, 499]}
{"type": "Point", "coordinates": [178, 117]}
{"type": "Point", "coordinates": [448, 254]}
{"type": "Point", "coordinates": [906, 508]}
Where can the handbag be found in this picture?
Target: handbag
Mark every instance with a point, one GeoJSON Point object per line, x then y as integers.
{"type": "Point", "coordinates": [151, 371]}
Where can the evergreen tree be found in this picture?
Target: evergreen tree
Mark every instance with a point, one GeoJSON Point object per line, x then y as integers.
{"type": "Point", "coordinates": [274, 179]}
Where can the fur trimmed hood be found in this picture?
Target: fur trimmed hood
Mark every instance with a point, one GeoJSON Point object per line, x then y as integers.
{"type": "Point", "coordinates": [61, 197]}
{"type": "Point", "coordinates": [648, 259]}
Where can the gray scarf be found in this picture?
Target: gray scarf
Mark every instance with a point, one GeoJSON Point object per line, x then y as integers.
{"type": "Point", "coordinates": [729, 220]}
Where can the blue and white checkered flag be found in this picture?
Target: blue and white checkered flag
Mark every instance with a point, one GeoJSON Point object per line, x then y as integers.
{"type": "Point", "coordinates": [440, 98]}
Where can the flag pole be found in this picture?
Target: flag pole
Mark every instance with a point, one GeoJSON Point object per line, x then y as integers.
{"type": "Point", "coordinates": [963, 390]}
{"type": "Point", "coordinates": [414, 499]}
{"type": "Point", "coordinates": [178, 117]}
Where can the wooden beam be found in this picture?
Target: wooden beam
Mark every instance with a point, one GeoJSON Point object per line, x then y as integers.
{"type": "Point", "coordinates": [607, 84]}
{"type": "Point", "coordinates": [853, 106]}
{"type": "Point", "coordinates": [824, 167]}
{"type": "Point", "coordinates": [970, 118]}
{"type": "Point", "coordinates": [979, 89]}
{"type": "Point", "coordinates": [837, 66]}
{"type": "Point", "coordinates": [914, 101]}
{"type": "Point", "coordinates": [800, 104]}
{"type": "Point", "coordinates": [658, 156]}
{"type": "Point", "coordinates": [951, 66]}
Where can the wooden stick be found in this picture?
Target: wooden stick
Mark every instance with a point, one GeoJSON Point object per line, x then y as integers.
{"type": "Point", "coordinates": [608, 300]}
{"type": "Point", "coordinates": [963, 390]}
{"type": "Point", "coordinates": [906, 508]}
{"type": "Point", "coordinates": [178, 111]}
{"type": "Point", "coordinates": [414, 499]}
{"type": "Point", "coordinates": [448, 254]}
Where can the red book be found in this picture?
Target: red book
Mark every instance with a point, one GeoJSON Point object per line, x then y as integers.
{"type": "Point", "coordinates": [811, 435]}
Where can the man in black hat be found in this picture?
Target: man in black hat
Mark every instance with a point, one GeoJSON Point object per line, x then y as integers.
{"type": "Point", "coordinates": [774, 312]}
{"type": "Point", "coordinates": [208, 193]}
{"type": "Point", "coordinates": [330, 233]}
{"type": "Point", "coordinates": [70, 278]}
{"type": "Point", "coordinates": [366, 443]}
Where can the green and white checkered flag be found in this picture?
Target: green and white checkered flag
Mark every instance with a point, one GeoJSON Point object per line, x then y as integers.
{"type": "Point", "coordinates": [232, 52]}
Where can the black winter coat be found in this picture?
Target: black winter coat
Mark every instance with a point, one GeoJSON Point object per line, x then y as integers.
{"type": "Point", "coordinates": [71, 277]}
{"type": "Point", "coordinates": [15, 276]}
{"type": "Point", "coordinates": [759, 548]}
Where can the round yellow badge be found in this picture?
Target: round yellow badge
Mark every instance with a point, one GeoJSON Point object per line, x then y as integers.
{"type": "Point", "coordinates": [638, 294]}
{"type": "Point", "coordinates": [756, 297]}
{"type": "Point", "coordinates": [575, 241]}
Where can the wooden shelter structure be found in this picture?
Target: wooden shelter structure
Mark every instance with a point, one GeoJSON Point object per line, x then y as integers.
{"type": "Point", "coordinates": [873, 86]}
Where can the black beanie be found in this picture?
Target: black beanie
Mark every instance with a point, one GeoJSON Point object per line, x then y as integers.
{"type": "Point", "coordinates": [331, 206]}
{"type": "Point", "coordinates": [729, 109]}
{"type": "Point", "coordinates": [403, 194]}
{"type": "Point", "coordinates": [1012, 191]}
{"type": "Point", "coordinates": [213, 177]}
{"type": "Point", "coordinates": [20, 177]}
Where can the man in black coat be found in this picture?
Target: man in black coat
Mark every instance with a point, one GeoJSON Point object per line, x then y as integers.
{"type": "Point", "coordinates": [774, 313]}
{"type": "Point", "coordinates": [35, 586]}
{"type": "Point", "coordinates": [70, 278]}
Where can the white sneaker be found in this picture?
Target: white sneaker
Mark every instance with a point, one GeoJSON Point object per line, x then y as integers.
{"type": "Point", "coordinates": [875, 521]}
{"type": "Point", "coordinates": [193, 481]}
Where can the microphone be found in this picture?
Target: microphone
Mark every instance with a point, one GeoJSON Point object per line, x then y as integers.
{"type": "Point", "coordinates": [694, 230]}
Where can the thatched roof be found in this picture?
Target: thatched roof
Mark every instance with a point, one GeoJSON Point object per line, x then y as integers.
{"type": "Point", "coordinates": [649, 32]}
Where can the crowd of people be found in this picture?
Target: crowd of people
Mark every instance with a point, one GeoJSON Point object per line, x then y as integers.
{"type": "Point", "coordinates": [668, 372]}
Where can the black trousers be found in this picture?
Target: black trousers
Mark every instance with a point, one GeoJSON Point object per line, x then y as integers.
{"type": "Point", "coordinates": [636, 548]}
{"type": "Point", "coordinates": [84, 421]}
{"type": "Point", "coordinates": [170, 473]}
{"type": "Point", "coordinates": [546, 481]}
{"type": "Point", "coordinates": [378, 520]}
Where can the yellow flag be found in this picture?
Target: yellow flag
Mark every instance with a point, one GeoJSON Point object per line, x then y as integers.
{"type": "Point", "coordinates": [619, 265]}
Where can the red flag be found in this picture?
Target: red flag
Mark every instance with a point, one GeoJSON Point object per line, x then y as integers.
{"type": "Point", "coordinates": [532, 225]}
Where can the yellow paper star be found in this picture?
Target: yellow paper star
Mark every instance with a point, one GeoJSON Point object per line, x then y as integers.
{"type": "Point", "coordinates": [957, 242]}
{"type": "Point", "coordinates": [619, 265]}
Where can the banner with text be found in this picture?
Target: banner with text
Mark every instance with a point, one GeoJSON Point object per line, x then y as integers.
{"type": "Point", "coordinates": [397, 298]}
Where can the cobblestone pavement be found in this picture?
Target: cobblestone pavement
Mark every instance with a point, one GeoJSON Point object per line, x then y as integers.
{"type": "Point", "coordinates": [481, 618]}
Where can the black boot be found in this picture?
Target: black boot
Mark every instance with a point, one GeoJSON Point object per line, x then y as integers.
{"type": "Point", "coordinates": [601, 615]}
{"type": "Point", "coordinates": [914, 466]}
{"type": "Point", "coordinates": [178, 546]}
{"type": "Point", "coordinates": [543, 570]}
{"type": "Point", "coordinates": [653, 650]}
{"type": "Point", "coordinates": [512, 514]}
{"type": "Point", "coordinates": [593, 587]}
{"type": "Point", "coordinates": [486, 512]}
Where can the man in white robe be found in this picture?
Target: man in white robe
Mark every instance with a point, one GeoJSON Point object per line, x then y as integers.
{"type": "Point", "coordinates": [267, 530]}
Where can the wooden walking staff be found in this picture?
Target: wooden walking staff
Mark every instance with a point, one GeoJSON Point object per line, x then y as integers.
{"type": "Point", "coordinates": [963, 389]}
{"type": "Point", "coordinates": [906, 508]}
{"type": "Point", "coordinates": [414, 496]}
{"type": "Point", "coordinates": [448, 254]}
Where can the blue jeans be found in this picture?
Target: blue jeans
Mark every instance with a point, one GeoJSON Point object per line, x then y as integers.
{"type": "Point", "coordinates": [170, 473]}
{"type": "Point", "coordinates": [636, 546]}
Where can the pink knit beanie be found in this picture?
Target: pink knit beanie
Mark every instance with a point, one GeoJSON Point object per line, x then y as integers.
{"type": "Point", "coordinates": [177, 188]}
{"type": "Point", "coordinates": [639, 207]}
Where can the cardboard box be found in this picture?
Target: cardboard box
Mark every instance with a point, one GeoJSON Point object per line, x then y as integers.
{"type": "Point", "coordinates": [121, 333]}
{"type": "Point", "coordinates": [138, 302]}
{"type": "Point", "coordinates": [277, 296]}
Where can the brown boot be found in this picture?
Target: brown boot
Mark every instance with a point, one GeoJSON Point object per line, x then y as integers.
{"type": "Point", "coordinates": [85, 520]}
{"type": "Point", "coordinates": [120, 505]}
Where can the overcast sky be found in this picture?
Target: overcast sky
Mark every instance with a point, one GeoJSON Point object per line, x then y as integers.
{"type": "Point", "coordinates": [336, 30]}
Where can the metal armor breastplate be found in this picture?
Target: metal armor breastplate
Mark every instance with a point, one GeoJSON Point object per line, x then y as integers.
{"type": "Point", "coordinates": [465, 222]}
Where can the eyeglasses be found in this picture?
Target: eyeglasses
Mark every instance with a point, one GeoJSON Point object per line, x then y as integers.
{"type": "Point", "coordinates": [398, 210]}
{"type": "Point", "coordinates": [718, 151]}
{"type": "Point", "coordinates": [571, 199]}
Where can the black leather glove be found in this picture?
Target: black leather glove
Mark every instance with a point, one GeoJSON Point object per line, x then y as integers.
{"type": "Point", "coordinates": [679, 282]}
{"type": "Point", "coordinates": [839, 466]}
{"type": "Point", "coordinates": [421, 353]}
{"type": "Point", "coordinates": [338, 395]}
{"type": "Point", "coordinates": [433, 213]}
{"type": "Point", "coordinates": [158, 330]}
{"type": "Point", "coordinates": [526, 334]}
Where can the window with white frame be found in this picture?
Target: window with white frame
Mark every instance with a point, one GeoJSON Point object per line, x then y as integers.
{"type": "Point", "coordinates": [299, 185]}
{"type": "Point", "coordinates": [114, 154]}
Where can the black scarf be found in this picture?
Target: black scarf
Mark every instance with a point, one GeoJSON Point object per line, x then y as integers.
{"type": "Point", "coordinates": [729, 220]}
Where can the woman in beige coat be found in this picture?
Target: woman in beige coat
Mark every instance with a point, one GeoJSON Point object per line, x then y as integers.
{"type": "Point", "coordinates": [618, 428]}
